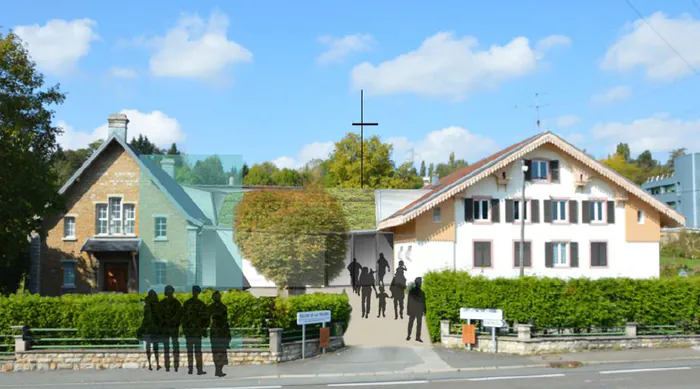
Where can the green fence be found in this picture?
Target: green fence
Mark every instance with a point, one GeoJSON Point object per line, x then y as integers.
{"type": "Point", "coordinates": [7, 346]}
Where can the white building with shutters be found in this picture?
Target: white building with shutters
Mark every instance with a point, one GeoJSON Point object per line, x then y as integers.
{"type": "Point", "coordinates": [581, 218]}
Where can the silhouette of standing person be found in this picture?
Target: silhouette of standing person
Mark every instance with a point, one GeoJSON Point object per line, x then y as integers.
{"type": "Point", "coordinates": [382, 296]}
{"type": "Point", "coordinates": [416, 309]}
{"type": "Point", "coordinates": [398, 293]}
{"type": "Point", "coordinates": [220, 334]}
{"type": "Point", "coordinates": [367, 284]}
{"type": "Point", "coordinates": [382, 264]}
{"type": "Point", "coordinates": [354, 268]}
{"type": "Point", "coordinates": [194, 325]}
{"type": "Point", "coordinates": [171, 314]}
{"type": "Point", "coordinates": [149, 331]}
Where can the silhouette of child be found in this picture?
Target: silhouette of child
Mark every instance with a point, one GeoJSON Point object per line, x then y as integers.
{"type": "Point", "coordinates": [400, 270]}
{"type": "Point", "coordinates": [382, 296]}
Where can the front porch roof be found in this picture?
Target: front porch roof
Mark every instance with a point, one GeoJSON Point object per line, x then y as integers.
{"type": "Point", "coordinates": [111, 245]}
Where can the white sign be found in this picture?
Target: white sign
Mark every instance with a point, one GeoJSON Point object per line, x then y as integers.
{"type": "Point", "coordinates": [480, 314]}
{"type": "Point", "coordinates": [313, 317]}
{"type": "Point", "coordinates": [494, 323]}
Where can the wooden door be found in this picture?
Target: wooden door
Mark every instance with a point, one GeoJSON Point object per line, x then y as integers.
{"type": "Point", "coordinates": [116, 277]}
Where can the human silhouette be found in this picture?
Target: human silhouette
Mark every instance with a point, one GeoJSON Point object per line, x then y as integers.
{"type": "Point", "coordinates": [400, 273]}
{"type": "Point", "coordinates": [416, 309]}
{"type": "Point", "coordinates": [220, 334]}
{"type": "Point", "coordinates": [171, 314]}
{"type": "Point", "coordinates": [382, 267]}
{"type": "Point", "coordinates": [354, 268]}
{"type": "Point", "coordinates": [149, 331]}
{"type": "Point", "coordinates": [398, 292]}
{"type": "Point", "coordinates": [367, 284]}
{"type": "Point", "coordinates": [382, 296]}
{"type": "Point", "coordinates": [194, 326]}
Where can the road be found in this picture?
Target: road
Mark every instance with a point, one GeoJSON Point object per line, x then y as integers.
{"type": "Point", "coordinates": [673, 375]}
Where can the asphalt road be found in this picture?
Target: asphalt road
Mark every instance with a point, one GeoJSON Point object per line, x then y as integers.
{"type": "Point", "coordinates": [671, 375]}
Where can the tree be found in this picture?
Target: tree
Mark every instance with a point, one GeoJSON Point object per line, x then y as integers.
{"type": "Point", "coordinates": [144, 146]}
{"type": "Point", "coordinates": [67, 162]}
{"type": "Point", "coordinates": [173, 150]}
{"type": "Point", "coordinates": [244, 171]}
{"type": "Point", "coordinates": [452, 159]}
{"type": "Point", "coordinates": [631, 171]}
{"type": "Point", "coordinates": [422, 169]}
{"type": "Point", "coordinates": [28, 189]}
{"type": "Point", "coordinates": [675, 153]}
{"type": "Point", "coordinates": [406, 176]}
{"type": "Point", "coordinates": [261, 174]}
{"type": "Point", "coordinates": [645, 161]}
{"type": "Point", "coordinates": [451, 166]}
{"type": "Point", "coordinates": [623, 149]}
{"type": "Point", "coordinates": [314, 172]}
{"type": "Point", "coordinates": [431, 170]}
{"type": "Point", "coordinates": [210, 171]}
{"type": "Point", "coordinates": [293, 238]}
{"type": "Point", "coordinates": [287, 177]}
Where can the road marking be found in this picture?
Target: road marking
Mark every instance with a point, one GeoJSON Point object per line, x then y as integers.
{"type": "Point", "coordinates": [381, 383]}
{"type": "Point", "coordinates": [644, 370]}
{"type": "Point", "coordinates": [249, 387]}
{"type": "Point", "coordinates": [510, 377]}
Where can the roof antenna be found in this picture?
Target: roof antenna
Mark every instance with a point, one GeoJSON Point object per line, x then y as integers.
{"type": "Point", "coordinates": [537, 107]}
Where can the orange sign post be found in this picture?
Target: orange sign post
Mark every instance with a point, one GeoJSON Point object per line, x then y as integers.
{"type": "Point", "coordinates": [324, 339]}
{"type": "Point", "coordinates": [468, 334]}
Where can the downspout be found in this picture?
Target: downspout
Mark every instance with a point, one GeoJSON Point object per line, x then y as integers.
{"type": "Point", "coordinates": [694, 194]}
{"type": "Point", "coordinates": [454, 243]}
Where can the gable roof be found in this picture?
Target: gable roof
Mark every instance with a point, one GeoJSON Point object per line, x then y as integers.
{"type": "Point", "coordinates": [170, 188]}
{"type": "Point", "coordinates": [463, 178]}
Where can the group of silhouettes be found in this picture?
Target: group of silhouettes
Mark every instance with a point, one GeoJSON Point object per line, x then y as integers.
{"type": "Point", "coordinates": [363, 283]}
{"type": "Point", "coordinates": [162, 320]}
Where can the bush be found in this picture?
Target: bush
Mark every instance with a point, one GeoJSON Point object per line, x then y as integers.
{"type": "Point", "coordinates": [112, 316]}
{"type": "Point", "coordinates": [555, 303]}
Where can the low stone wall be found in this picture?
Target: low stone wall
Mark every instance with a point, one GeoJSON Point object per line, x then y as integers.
{"type": "Point", "coordinates": [523, 344]}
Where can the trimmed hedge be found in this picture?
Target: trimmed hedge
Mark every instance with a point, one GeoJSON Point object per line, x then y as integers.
{"type": "Point", "coordinates": [556, 303]}
{"type": "Point", "coordinates": [119, 315]}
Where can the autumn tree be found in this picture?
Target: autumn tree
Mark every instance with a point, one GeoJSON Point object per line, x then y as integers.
{"type": "Point", "coordinates": [28, 182]}
{"type": "Point", "coordinates": [261, 174]}
{"type": "Point", "coordinates": [292, 237]}
{"type": "Point", "coordinates": [630, 171]}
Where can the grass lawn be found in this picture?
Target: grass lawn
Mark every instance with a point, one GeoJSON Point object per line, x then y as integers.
{"type": "Point", "coordinates": [670, 266]}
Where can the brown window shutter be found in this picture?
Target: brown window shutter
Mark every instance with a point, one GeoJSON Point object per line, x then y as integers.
{"type": "Point", "coordinates": [468, 210]}
{"type": "Point", "coordinates": [603, 254]}
{"type": "Point", "coordinates": [535, 208]}
{"type": "Point", "coordinates": [573, 211]}
{"type": "Point", "coordinates": [611, 212]}
{"type": "Point", "coordinates": [528, 173]}
{"type": "Point", "coordinates": [487, 254]}
{"type": "Point", "coordinates": [586, 211]}
{"type": "Point", "coordinates": [528, 254]}
{"type": "Point", "coordinates": [595, 257]}
{"type": "Point", "coordinates": [477, 255]}
{"type": "Point", "coordinates": [495, 211]}
{"type": "Point", "coordinates": [548, 211]}
{"type": "Point", "coordinates": [549, 254]}
{"type": "Point", "coordinates": [554, 170]}
{"type": "Point", "coordinates": [573, 247]}
{"type": "Point", "coordinates": [509, 211]}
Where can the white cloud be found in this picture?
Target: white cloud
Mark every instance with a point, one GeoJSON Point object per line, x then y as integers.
{"type": "Point", "coordinates": [659, 133]}
{"type": "Point", "coordinates": [448, 66]}
{"type": "Point", "coordinates": [160, 128]}
{"type": "Point", "coordinates": [552, 41]}
{"type": "Point", "coordinates": [567, 121]}
{"type": "Point", "coordinates": [341, 47]}
{"type": "Point", "coordinates": [612, 95]}
{"type": "Point", "coordinates": [196, 49]}
{"type": "Point", "coordinates": [123, 72]}
{"type": "Point", "coordinates": [641, 46]}
{"type": "Point", "coordinates": [57, 46]}
{"type": "Point", "coordinates": [437, 146]}
{"type": "Point", "coordinates": [307, 153]}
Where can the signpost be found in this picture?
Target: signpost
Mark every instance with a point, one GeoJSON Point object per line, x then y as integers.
{"type": "Point", "coordinates": [490, 318]}
{"type": "Point", "coordinates": [311, 317]}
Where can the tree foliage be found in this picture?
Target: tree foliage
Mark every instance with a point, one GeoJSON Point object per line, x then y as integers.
{"type": "Point", "coordinates": [67, 162]}
{"type": "Point", "coordinates": [28, 183]}
{"type": "Point", "coordinates": [142, 145]}
{"type": "Point", "coordinates": [292, 237]}
{"type": "Point", "coordinates": [445, 169]}
{"type": "Point", "coordinates": [261, 174]}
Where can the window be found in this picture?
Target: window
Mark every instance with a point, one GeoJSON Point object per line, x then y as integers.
{"type": "Point", "coordinates": [482, 254]}
{"type": "Point", "coordinates": [539, 170]}
{"type": "Point", "coordinates": [129, 219]}
{"type": "Point", "coordinates": [159, 272]}
{"type": "Point", "coordinates": [161, 227]}
{"type": "Point", "coordinates": [481, 209]}
{"type": "Point", "coordinates": [559, 254]}
{"type": "Point", "coordinates": [102, 219]}
{"type": "Point", "coordinates": [517, 209]}
{"type": "Point", "coordinates": [436, 214]}
{"type": "Point", "coordinates": [527, 254]}
{"type": "Point", "coordinates": [559, 210]}
{"type": "Point", "coordinates": [68, 273]}
{"type": "Point", "coordinates": [640, 217]}
{"type": "Point", "coordinates": [599, 254]}
{"type": "Point", "coordinates": [69, 227]}
{"type": "Point", "coordinates": [595, 212]}
{"type": "Point", "coordinates": [115, 215]}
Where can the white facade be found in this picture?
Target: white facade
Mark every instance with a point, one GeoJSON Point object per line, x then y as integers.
{"type": "Point", "coordinates": [624, 259]}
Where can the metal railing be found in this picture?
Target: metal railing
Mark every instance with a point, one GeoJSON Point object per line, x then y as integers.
{"type": "Point", "coordinates": [665, 330]}
{"type": "Point", "coordinates": [7, 346]}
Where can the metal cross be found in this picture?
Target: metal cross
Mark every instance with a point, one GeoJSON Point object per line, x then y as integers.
{"type": "Point", "coordinates": [362, 125]}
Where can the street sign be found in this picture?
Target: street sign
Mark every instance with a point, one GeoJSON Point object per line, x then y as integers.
{"type": "Point", "coordinates": [494, 323]}
{"type": "Point", "coordinates": [313, 317]}
{"type": "Point", "coordinates": [480, 314]}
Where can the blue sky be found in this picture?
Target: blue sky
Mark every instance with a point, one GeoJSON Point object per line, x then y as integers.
{"type": "Point", "coordinates": [277, 80]}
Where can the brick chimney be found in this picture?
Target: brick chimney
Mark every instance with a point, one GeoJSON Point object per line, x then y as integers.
{"type": "Point", "coordinates": [117, 125]}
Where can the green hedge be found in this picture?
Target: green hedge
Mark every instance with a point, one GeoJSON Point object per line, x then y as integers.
{"type": "Point", "coordinates": [555, 303]}
{"type": "Point", "coordinates": [114, 315]}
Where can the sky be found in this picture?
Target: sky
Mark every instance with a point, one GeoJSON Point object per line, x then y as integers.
{"type": "Point", "coordinates": [280, 81]}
